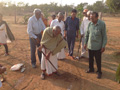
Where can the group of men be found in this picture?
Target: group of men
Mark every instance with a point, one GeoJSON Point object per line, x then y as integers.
{"type": "Point", "coordinates": [51, 40]}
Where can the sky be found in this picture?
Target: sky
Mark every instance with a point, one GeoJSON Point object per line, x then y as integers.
{"type": "Point", "coordinates": [63, 2]}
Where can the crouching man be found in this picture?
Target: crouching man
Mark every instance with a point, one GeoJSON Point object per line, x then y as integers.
{"type": "Point", "coordinates": [51, 43]}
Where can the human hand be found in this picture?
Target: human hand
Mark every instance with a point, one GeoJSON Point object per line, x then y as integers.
{"type": "Point", "coordinates": [77, 36]}
{"type": "Point", "coordinates": [102, 50]}
{"type": "Point", "coordinates": [40, 48]}
{"type": "Point", "coordinates": [38, 40]}
{"type": "Point", "coordinates": [41, 32]}
{"type": "Point", "coordinates": [82, 35]}
{"type": "Point", "coordinates": [48, 56]}
{"type": "Point", "coordinates": [85, 46]}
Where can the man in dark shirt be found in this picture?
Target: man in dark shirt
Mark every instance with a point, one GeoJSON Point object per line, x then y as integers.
{"type": "Point", "coordinates": [71, 31]}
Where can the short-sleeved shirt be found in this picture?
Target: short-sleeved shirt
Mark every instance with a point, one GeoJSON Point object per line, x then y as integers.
{"type": "Point", "coordinates": [71, 26]}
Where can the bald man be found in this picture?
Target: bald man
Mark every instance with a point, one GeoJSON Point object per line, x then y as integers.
{"type": "Point", "coordinates": [51, 43]}
{"type": "Point", "coordinates": [85, 14]}
{"type": "Point", "coordinates": [60, 23]}
{"type": "Point", "coordinates": [83, 29]}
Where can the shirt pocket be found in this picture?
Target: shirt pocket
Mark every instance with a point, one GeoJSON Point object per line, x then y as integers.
{"type": "Point", "coordinates": [97, 32]}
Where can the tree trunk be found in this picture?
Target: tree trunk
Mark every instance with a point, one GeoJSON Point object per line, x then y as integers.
{"type": "Point", "coordinates": [15, 15]}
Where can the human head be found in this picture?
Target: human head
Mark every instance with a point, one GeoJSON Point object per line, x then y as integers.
{"type": "Point", "coordinates": [53, 17]}
{"type": "Point", "coordinates": [73, 13]}
{"type": "Point", "coordinates": [1, 17]}
{"type": "Point", "coordinates": [56, 30]}
{"type": "Point", "coordinates": [94, 17]}
{"type": "Point", "coordinates": [37, 13]}
{"type": "Point", "coordinates": [60, 16]}
{"type": "Point", "coordinates": [88, 14]}
{"type": "Point", "coordinates": [85, 12]}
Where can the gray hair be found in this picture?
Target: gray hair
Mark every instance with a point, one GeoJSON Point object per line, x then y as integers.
{"type": "Point", "coordinates": [56, 28]}
{"type": "Point", "coordinates": [89, 12]}
{"type": "Point", "coordinates": [36, 10]}
{"type": "Point", "coordinates": [60, 14]}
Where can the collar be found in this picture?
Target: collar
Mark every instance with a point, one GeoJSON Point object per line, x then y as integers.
{"type": "Point", "coordinates": [71, 17]}
{"type": "Point", "coordinates": [98, 22]}
{"type": "Point", "coordinates": [58, 21]}
{"type": "Point", "coordinates": [36, 18]}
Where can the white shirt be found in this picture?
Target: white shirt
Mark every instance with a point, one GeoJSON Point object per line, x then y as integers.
{"type": "Point", "coordinates": [35, 26]}
{"type": "Point", "coordinates": [85, 18]}
{"type": "Point", "coordinates": [60, 24]}
{"type": "Point", "coordinates": [84, 26]}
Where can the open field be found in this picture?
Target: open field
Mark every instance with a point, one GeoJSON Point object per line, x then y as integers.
{"type": "Point", "coordinates": [72, 71]}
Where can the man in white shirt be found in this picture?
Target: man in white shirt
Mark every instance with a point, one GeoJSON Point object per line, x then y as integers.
{"type": "Point", "coordinates": [83, 28]}
{"type": "Point", "coordinates": [85, 14]}
{"type": "Point", "coordinates": [60, 23]}
{"type": "Point", "coordinates": [35, 29]}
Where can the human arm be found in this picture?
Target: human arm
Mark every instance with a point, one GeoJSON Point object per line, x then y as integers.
{"type": "Point", "coordinates": [30, 29]}
{"type": "Point", "coordinates": [86, 37]}
{"type": "Point", "coordinates": [104, 36]}
{"type": "Point", "coordinates": [66, 26]}
{"type": "Point", "coordinates": [77, 28]}
{"type": "Point", "coordinates": [82, 29]}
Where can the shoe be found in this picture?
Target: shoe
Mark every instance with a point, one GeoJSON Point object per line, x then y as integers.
{"type": "Point", "coordinates": [72, 57]}
{"type": "Point", "coordinates": [90, 71]}
{"type": "Point", "coordinates": [77, 58]}
{"type": "Point", "coordinates": [43, 76]}
{"type": "Point", "coordinates": [61, 59]}
{"type": "Point", "coordinates": [99, 76]}
{"type": "Point", "coordinates": [33, 65]}
{"type": "Point", "coordinates": [82, 56]}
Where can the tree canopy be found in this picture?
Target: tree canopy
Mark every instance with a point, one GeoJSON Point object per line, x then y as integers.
{"type": "Point", "coordinates": [114, 5]}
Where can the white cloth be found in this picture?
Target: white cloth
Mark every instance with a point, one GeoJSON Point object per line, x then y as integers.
{"type": "Point", "coordinates": [3, 35]}
{"type": "Point", "coordinates": [85, 18]}
{"type": "Point", "coordinates": [60, 24]}
{"type": "Point", "coordinates": [45, 64]}
{"type": "Point", "coordinates": [0, 84]}
{"type": "Point", "coordinates": [83, 29]}
{"type": "Point", "coordinates": [84, 26]}
{"type": "Point", "coordinates": [60, 55]}
{"type": "Point", "coordinates": [35, 26]}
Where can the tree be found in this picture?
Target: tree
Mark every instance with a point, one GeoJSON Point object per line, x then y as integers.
{"type": "Point", "coordinates": [114, 5]}
{"type": "Point", "coordinates": [98, 6]}
{"type": "Point", "coordinates": [80, 9]}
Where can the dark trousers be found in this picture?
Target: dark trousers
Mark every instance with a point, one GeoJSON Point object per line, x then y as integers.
{"type": "Point", "coordinates": [97, 55]}
{"type": "Point", "coordinates": [33, 50]}
{"type": "Point", "coordinates": [6, 48]}
{"type": "Point", "coordinates": [71, 43]}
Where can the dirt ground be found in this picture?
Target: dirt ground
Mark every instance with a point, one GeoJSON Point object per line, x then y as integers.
{"type": "Point", "coordinates": [72, 72]}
